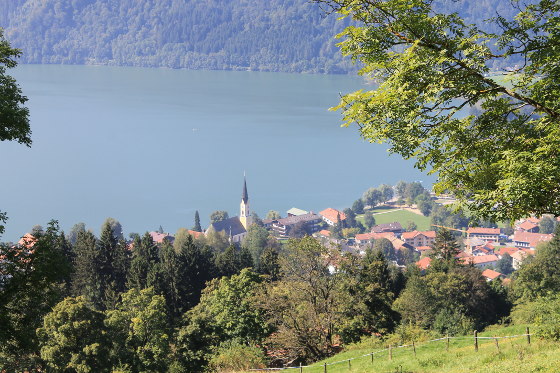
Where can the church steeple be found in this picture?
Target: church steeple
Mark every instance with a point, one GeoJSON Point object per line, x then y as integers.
{"type": "Point", "coordinates": [245, 213]}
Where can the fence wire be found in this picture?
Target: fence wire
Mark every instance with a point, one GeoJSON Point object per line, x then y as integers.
{"type": "Point", "coordinates": [387, 349]}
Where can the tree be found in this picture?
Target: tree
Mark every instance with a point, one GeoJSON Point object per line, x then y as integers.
{"type": "Point", "coordinates": [72, 236]}
{"type": "Point", "coordinates": [233, 260]}
{"type": "Point", "coordinates": [255, 241]}
{"type": "Point", "coordinates": [547, 224]}
{"type": "Point", "coordinates": [32, 282]}
{"type": "Point", "coordinates": [218, 216]}
{"type": "Point", "coordinates": [541, 275]}
{"type": "Point", "coordinates": [372, 197]}
{"type": "Point", "coordinates": [358, 206]}
{"type": "Point", "coordinates": [304, 304]}
{"type": "Point", "coordinates": [160, 230]}
{"type": "Point", "coordinates": [350, 221]}
{"type": "Point", "coordinates": [226, 313]}
{"type": "Point", "coordinates": [411, 226]}
{"type": "Point", "coordinates": [444, 251]}
{"type": "Point", "coordinates": [430, 66]}
{"type": "Point", "coordinates": [386, 247]}
{"type": "Point", "coordinates": [72, 338]}
{"type": "Point", "coordinates": [145, 269]}
{"type": "Point", "coordinates": [139, 332]}
{"type": "Point", "coordinates": [197, 227]}
{"type": "Point", "coordinates": [505, 264]}
{"type": "Point", "coordinates": [14, 117]}
{"type": "Point", "coordinates": [269, 263]}
{"type": "Point", "coordinates": [369, 220]}
{"type": "Point", "coordinates": [116, 228]}
{"type": "Point", "coordinates": [273, 215]}
{"type": "Point", "coordinates": [386, 192]}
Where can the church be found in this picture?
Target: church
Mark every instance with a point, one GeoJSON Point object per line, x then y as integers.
{"type": "Point", "coordinates": [237, 226]}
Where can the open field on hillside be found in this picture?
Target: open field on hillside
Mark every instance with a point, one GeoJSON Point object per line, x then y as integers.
{"type": "Point", "coordinates": [513, 355]}
{"type": "Point", "coordinates": [402, 216]}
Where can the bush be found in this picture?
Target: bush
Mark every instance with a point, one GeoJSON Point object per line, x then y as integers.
{"type": "Point", "coordinates": [406, 334]}
{"type": "Point", "coordinates": [233, 357]}
{"type": "Point", "coordinates": [452, 323]}
{"type": "Point", "coordinates": [544, 313]}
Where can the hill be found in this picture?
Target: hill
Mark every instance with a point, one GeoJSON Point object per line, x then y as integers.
{"type": "Point", "coordinates": [513, 355]}
{"type": "Point", "coordinates": [265, 35]}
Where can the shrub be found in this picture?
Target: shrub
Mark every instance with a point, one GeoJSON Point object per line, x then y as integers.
{"type": "Point", "coordinates": [544, 312]}
{"type": "Point", "coordinates": [233, 357]}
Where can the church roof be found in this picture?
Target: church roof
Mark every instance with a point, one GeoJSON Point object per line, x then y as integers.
{"type": "Point", "coordinates": [245, 195]}
{"type": "Point", "coordinates": [232, 226]}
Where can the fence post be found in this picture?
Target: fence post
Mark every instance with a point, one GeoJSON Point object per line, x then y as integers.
{"type": "Point", "coordinates": [414, 348]}
{"type": "Point", "coordinates": [447, 344]}
{"type": "Point", "coordinates": [390, 352]}
{"type": "Point", "coordinates": [300, 368]}
{"type": "Point", "coordinates": [349, 365]}
{"type": "Point", "coordinates": [497, 346]}
{"type": "Point", "coordinates": [372, 357]}
{"type": "Point", "coordinates": [325, 367]}
{"type": "Point", "coordinates": [476, 341]}
{"type": "Point", "coordinates": [528, 335]}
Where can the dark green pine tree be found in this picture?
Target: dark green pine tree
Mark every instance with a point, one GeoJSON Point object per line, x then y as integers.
{"type": "Point", "coordinates": [144, 266]}
{"type": "Point", "coordinates": [233, 260]}
{"type": "Point", "coordinates": [112, 266]}
{"type": "Point", "coordinates": [197, 227]}
{"type": "Point", "coordinates": [444, 251]}
{"type": "Point", "coordinates": [172, 273]}
{"type": "Point", "coordinates": [269, 264]}
{"type": "Point", "coordinates": [86, 277]}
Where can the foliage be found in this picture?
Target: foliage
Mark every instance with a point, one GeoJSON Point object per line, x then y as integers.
{"type": "Point", "coordinates": [276, 35]}
{"type": "Point", "coordinates": [226, 312]}
{"type": "Point", "coordinates": [145, 269]}
{"type": "Point", "coordinates": [235, 357]}
{"type": "Point", "coordinates": [358, 206]}
{"type": "Point", "coordinates": [273, 215]}
{"type": "Point", "coordinates": [255, 242]}
{"type": "Point", "coordinates": [444, 251]}
{"type": "Point", "coordinates": [541, 275]}
{"type": "Point", "coordinates": [544, 312]}
{"type": "Point", "coordinates": [72, 338]}
{"type": "Point", "coordinates": [432, 67]}
{"type": "Point", "coordinates": [138, 330]}
{"type": "Point", "coordinates": [505, 264]}
{"type": "Point", "coordinates": [372, 197]}
{"type": "Point", "coordinates": [14, 117]}
{"type": "Point", "coordinates": [33, 280]}
{"type": "Point", "coordinates": [444, 216]}
{"type": "Point", "coordinates": [197, 227]}
{"type": "Point", "coordinates": [218, 216]}
{"type": "Point", "coordinates": [369, 220]}
{"type": "Point", "coordinates": [547, 224]}
{"type": "Point", "coordinates": [303, 305]}
{"type": "Point", "coordinates": [233, 260]}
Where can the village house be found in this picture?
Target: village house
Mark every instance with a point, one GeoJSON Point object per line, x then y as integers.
{"type": "Point", "coordinates": [519, 256]}
{"type": "Point", "coordinates": [296, 212]}
{"type": "Point", "coordinates": [310, 222]}
{"type": "Point", "coordinates": [331, 216]}
{"type": "Point", "coordinates": [158, 238]}
{"type": "Point", "coordinates": [424, 263]}
{"type": "Point", "coordinates": [394, 227]}
{"type": "Point", "coordinates": [528, 225]}
{"type": "Point", "coordinates": [527, 240]}
{"type": "Point", "coordinates": [485, 234]}
{"type": "Point", "coordinates": [366, 237]}
{"type": "Point", "coordinates": [481, 261]}
{"type": "Point", "coordinates": [490, 274]}
{"type": "Point", "coordinates": [419, 238]}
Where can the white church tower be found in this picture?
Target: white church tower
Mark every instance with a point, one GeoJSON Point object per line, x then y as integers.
{"type": "Point", "coordinates": [245, 213]}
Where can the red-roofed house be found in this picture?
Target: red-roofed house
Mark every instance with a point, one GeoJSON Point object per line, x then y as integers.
{"type": "Point", "coordinates": [481, 261]}
{"type": "Point", "coordinates": [529, 240]}
{"type": "Point", "coordinates": [419, 238]}
{"type": "Point", "coordinates": [330, 216]}
{"type": "Point", "coordinates": [159, 237]}
{"type": "Point", "coordinates": [529, 226]}
{"type": "Point", "coordinates": [509, 250]}
{"type": "Point", "coordinates": [365, 237]}
{"type": "Point", "coordinates": [325, 233]}
{"type": "Point", "coordinates": [519, 256]}
{"type": "Point", "coordinates": [486, 234]}
{"type": "Point", "coordinates": [424, 263]}
{"type": "Point", "coordinates": [195, 234]}
{"type": "Point", "coordinates": [27, 241]}
{"type": "Point", "coordinates": [423, 249]}
{"type": "Point", "coordinates": [491, 274]}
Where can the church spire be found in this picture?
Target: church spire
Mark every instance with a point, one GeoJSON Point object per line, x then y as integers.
{"type": "Point", "coordinates": [245, 195]}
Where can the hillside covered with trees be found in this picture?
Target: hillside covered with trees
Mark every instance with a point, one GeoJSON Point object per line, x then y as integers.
{"type": "Point", "coordinates": [263, 35]}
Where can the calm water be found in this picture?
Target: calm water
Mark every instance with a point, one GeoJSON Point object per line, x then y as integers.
{"type": "Point", "coordinates": [150, 146]}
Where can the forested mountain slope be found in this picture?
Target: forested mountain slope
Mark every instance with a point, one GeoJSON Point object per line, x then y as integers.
{"type": "Point", "coordinates": [267, 35]}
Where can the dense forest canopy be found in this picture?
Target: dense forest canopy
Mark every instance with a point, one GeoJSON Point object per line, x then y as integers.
{"type": "Point", "coordinates": [264, 35]}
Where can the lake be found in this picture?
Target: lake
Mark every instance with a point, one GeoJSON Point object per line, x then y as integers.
{"type": "Point", "coordinates": [148, 147]}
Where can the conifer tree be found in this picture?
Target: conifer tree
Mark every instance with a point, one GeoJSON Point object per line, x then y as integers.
{"type": "Point", "coordinates": [197, 227]}
{"type": "Point", "coordinates": [144, 266]}
{"type": "Point", "coordinates": [444, 251]}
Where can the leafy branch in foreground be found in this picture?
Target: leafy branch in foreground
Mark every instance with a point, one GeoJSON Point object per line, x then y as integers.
{"type": "Point", "coordinates": [492, 141]}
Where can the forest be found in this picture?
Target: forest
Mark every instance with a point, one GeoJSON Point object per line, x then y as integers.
{"type": "Point", "coordinates": [258, 35]}
{"type": "Point", "coordinates": [80, 303]}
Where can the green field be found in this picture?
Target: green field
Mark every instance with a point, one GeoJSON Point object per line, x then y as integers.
{"type": "Point", "coordinates": [383, 216]}
{"type": "Point", "coordinates": [513, 355]}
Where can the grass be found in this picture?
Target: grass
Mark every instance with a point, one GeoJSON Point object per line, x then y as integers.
{"type": "Point", "coordinates": [401, 216]}
{"type": "Point", "coordinates": [514, 356]}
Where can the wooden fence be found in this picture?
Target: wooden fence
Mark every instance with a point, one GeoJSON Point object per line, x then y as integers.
{"type": "Point", "coordinates": [413, 345]}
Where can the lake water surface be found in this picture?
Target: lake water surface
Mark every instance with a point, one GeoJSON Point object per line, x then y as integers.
{"type": "Point", "coordinates": [150, 146]}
